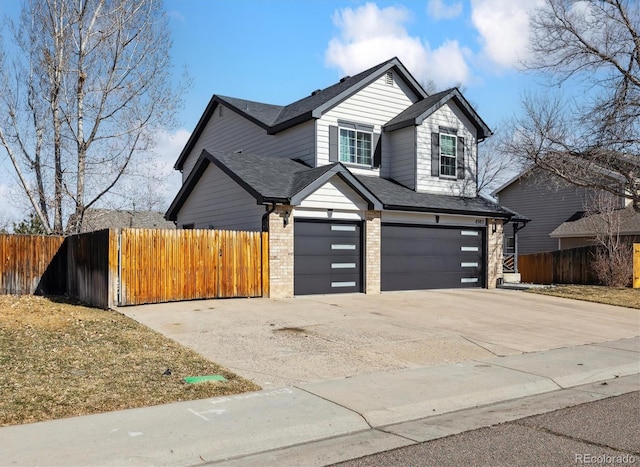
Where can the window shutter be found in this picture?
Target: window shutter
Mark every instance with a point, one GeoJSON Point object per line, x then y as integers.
{"type": "Point", "coordinates": [461, 168]}
{"type": "Point", "coordinates": [377, 154]}
{"type": "Point", "coordinates": [435, 154]}
{"type": "Point", "coordinates": [333, 144]}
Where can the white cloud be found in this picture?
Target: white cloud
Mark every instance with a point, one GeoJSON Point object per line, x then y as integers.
{"type": "Point", "coordinates": [168, 148]}
{"type": "Point", "coordinates": [369, 35]}
{"type": "Point", "coordinates": [504, 29]}
{"type": "Point", "coordinates": [9, 211]}
{"type": "Point", "coordinates": [438, 9]}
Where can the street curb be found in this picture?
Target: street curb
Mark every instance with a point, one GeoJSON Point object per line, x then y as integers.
{"type": "Point", "coordinates": [376, 440]}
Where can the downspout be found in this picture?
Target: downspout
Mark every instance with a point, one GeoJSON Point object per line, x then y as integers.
{"type": "Point", "coordinates": [265, 217]}
{"type": "Point", "coordinates": [265, 228]}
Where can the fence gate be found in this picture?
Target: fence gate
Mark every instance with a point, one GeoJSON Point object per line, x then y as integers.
{"type": "Point", "coordinates": [156, 266]}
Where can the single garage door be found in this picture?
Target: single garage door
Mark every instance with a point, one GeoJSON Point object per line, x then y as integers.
{"type": "Point", "coordinates": [427, 257]}
{"type": "Point", "coordinates": [327, 257]}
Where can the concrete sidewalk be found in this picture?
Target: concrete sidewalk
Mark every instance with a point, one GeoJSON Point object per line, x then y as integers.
{"type": "Point", "coordinates": [330, 421]}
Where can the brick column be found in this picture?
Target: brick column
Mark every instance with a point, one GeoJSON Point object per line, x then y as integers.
{"type": "Point", "coordinates": [372, 232]}
{"type": "Point", "coordinates": [494, 251]}
{"type": "Point", "coordinates": [281, 253]}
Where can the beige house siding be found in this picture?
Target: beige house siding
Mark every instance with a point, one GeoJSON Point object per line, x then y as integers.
{"type": "Point", "coordinates": [494, 252]}
{"type": "Point", "coordinates": [372, 243]}
{"type": "Point", "coordinates": [280, 253]}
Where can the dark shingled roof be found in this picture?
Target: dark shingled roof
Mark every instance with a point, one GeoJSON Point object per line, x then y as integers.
{"type": "Point", "coordinates": [275, 118]}
{"type": "Point", "coordinates": [418, 112]}
{"type": "Point", "coordinates": [271, 179]}
{"type": "Point", "coordinates": [398, 197]}
{"type": "Point", "coordinates": [263, 114]}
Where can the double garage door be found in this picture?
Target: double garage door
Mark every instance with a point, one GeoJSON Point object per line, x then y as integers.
{"type": "Point", "coordinates": [328, 257]}
{"type": "Point", "coordinates": [427, 257]}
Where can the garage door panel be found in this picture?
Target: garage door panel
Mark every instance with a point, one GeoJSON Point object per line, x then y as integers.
{"type": "Point", "coordinates": [429, 257]}
{"type": "Point", "coordinates": [313, 264]}
{"type": "Point", "coordinates": [327, 257]}
{"type": "Point", "coordinates": [415, 264]}
{"type": "Point", "coordinates": [441, 280]}
{"type": "Point", "coordinates": [322, 245]}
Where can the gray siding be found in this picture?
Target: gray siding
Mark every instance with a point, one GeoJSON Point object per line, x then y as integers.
{"type": "Point", "coordinates": [546, 204]}
{"type": "Point", "coordinates": [219, 202]}
{"type": "Point", "coordinates": [231, 132]}
{"type": "Point", "coordinates": [400, 162]}
{"type": "Point", "coordinates": [451, 117]}
{"type": "Point", "coordinates": [374, 105]}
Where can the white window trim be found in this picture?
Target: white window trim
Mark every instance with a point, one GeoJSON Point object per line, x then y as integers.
{"type": "Point", "coordinates": [356, 130]}
{"type": "Point", "coordinates": [455, 157]}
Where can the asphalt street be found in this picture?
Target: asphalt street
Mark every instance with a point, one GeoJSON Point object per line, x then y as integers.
{"type": "Point", "coordinates": [603, 432]}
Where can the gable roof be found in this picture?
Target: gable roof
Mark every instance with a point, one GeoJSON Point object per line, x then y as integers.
{"type": "Point", "coordinates": [99, 219]}
{"type": "Point", "coordinates": [269, 179]}
{"type": "Point", "coordinates": [281, 180]}
{"type": "Point", "coordinates": [275, 118]}
{"type": "Point", "coordinates": [418, 112]}
{"type": "Point", "coordinates": [588, 225]}
{"type": "Point", "coordinates": [398, 197]}
{"type": "Point", "coordinates": [625, 161]}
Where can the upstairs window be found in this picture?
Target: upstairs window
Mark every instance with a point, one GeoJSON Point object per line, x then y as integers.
{"type": "Point", "coordinates": [447, 156]}
{"type": "Point", "coordinates": [355, 146]}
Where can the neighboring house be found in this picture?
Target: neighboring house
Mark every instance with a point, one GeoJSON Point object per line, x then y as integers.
{"type": "Point", "coordinates": [367, 185]}
{"type": "Point", "coordinates": [547, 202]}
{"type": "Point", "coordinates": [582, 231]}
{"type": "Point", "coordinates": [99, 219]}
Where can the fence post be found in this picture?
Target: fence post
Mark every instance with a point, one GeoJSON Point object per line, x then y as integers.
{"type": "Point", "coordinates": [636, 265]}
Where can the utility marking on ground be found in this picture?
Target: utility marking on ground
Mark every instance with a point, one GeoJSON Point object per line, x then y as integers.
{"type": "Point", "coordinates": [220, 400]}
{"type": "Point", "coordinates": [210, 411]}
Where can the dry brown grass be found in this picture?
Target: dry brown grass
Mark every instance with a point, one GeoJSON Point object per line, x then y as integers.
{"type": "Point", "coordinates": [619, 296]}
{"type": "Point", "coordinates": [60, 360]}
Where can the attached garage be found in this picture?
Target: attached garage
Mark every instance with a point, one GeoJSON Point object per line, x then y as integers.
{"type": "Point", "coordinates": [327, 257]}
{"type": "Point", "coordinates": [417, 257]}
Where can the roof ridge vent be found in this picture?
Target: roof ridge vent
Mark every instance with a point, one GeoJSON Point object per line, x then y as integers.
{"type": "Point", "coordinates": [316, 92]}
{"type": "Point", "coordinates": [342, 80]}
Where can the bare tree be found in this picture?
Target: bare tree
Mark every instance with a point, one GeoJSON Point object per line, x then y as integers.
{"type": "Point", "coordinates": [82, 98]}
{"type": "Point", "coordinates": [494, 166]}
{"type": "Point", "coordinates": [590, 138]}
{"type": "Point", "coordinates": [613, 262]}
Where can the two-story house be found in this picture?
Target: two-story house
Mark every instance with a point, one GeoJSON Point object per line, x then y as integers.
{"type": "Point", "coordinates": [368, 185]}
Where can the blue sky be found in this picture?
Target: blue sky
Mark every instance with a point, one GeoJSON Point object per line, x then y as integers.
{"type": "Point", "coordinates": [279, 51]}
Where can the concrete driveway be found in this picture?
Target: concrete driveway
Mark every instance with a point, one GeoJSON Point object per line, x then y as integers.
{"type": "Point", "coordinates": [307, 339]}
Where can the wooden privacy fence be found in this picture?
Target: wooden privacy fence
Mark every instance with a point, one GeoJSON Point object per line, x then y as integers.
{"type": "Point", "coordinates": [25, 259]}
{"type": "Point", "coordinates": [136, 266]}
{"type": "Point", "coordinates": [571, 266]}
{"type": "Point", "coordinates": [167, 265]}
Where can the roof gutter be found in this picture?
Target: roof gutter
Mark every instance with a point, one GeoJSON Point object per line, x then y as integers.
{"type": "Point", "coordinates": [392, 207]}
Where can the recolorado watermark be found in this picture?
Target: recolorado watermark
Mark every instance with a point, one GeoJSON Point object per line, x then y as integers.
{"type": "Point", "coordinates": [605, 459]}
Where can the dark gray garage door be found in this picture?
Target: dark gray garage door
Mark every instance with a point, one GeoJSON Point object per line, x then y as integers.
{"type": "Point", "coordinates": [421, 257]}
{"type": "Point", "coordinates": [327, 257]}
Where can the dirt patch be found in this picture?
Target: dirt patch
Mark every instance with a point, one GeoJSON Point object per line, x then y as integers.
{"type": "Point", "coordinates": [592, 293]}
{"type": "Point", "coordinates": [59, 359]}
